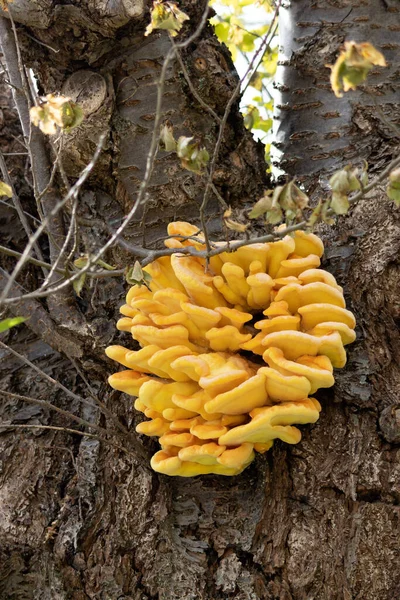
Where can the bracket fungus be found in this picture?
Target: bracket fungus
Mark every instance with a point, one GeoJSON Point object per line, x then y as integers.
{"type": "Point", "coordinates": [230, 351]}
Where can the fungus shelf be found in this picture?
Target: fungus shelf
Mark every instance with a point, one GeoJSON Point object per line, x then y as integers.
{"type": "Point", "coordinates": [215, 389]}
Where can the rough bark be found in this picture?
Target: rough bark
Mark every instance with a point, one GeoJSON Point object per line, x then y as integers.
{"type": "Point", "coordinates": [315, 131]}
{"type": "Point", "coordinates": [81, 520]}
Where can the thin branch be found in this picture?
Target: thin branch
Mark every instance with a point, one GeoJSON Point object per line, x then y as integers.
{"type": "Point", "coordinates": [41, 43]}
{"type": "Point", "coordinates": [142, 189]}
{"type": "Point", "coordinates": [38, 157]}
{"type": "Point", "coordinates": [25, 212]}
{"type": "Point", "coordinates": [193, 90]}
{"type": "Point", "coordinates": [61, 411]}
{"type": "Point", "coordinates": [135, 443]}
{"type": "Point", "coordinates": [47, 377]}
{"type": "Point", "coordinates": [228, 107]}
{"type": "Point", "coordinates": [18, 207]}
{"type": "Point", "coordinates": [64, 247]}
{"type": "Point", "coordinates": [15, 154]}
{"type": "Point", "coordinates": [41, 323]}
{"type": "Point", "coordinates": [105, 410]}
{"type": "Point", "coordinates": [102, 274]}
{"type": "Point", "coordinates": [262, 50]}
{"type": "Point", "coordinates": [149, 256]}
{"type": "Point", "coordinates": [54, 428]}
{"type": "Point", "coordinates": [53, 212]}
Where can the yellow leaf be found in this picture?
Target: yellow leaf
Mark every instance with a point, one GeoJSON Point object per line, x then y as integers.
{"type": "Point", "coordinates": [235, 226]}
{"type": "Point", "coordinates": [56, 111]}
{"type": "Point", "coordinates": [231, 224]}
{"type": "Point", "coordinates": [5, 190]}
{"type": "Point", "coordinates": [166, 15]}
{"type": "Point", "coordinates": [353, 65]}
{"type": "Point", "coordinates": [4, 4]}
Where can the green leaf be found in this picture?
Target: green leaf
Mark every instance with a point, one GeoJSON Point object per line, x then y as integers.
{"type": "Point", "coordinates": [193, 157]}
{"type": "Point", "coordinates": [78, 284]}
{"type": "Point", "coordinates": [5, 190]}
{"type": "Point", "coordinates": [261, 207]}
{"type": "Point", "coordinates": [256, 81]}
{"type": "Point", "coordinates": [340, 203]}
{"type": "Point", "coordinates": [167, 140]}
{"type": "Point", "coordinates": [270, 62]}
{"type": "Point", "coordinates": [263, 124]}
{"type": "Point", "coordinates": [393, 187]}
{"type": "Point", "coordinates": [222, 31]}
{"type": "Point", "coordinates": [72, 116]}
{"type": "Point", "coordinates": [137, 276]}
{"type": "Point", "coordinates": [6, 324]}
{"type": "Point", "coordinates": [104, 265]}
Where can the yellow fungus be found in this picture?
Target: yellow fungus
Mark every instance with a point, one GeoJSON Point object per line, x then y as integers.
{"type": "Point", "coordinates": [242, 398]}
{"type": "Point", "coordinates": [199, 378]}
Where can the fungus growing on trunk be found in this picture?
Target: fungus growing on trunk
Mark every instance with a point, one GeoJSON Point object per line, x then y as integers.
{"type": "Point", "coordinates": [216, 389]}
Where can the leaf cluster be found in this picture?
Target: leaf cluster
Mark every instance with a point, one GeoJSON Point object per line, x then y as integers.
{"type": "Point", "coordinates": [56, 111]}
{"type": "Point", "coordinates": [193, 156]}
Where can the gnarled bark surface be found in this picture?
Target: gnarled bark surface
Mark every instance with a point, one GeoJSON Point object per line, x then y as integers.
{"type": "Point", "coordinates": [83, 520]}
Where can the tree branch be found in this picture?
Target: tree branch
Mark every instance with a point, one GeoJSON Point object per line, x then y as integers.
{"type": "Point", "coordinates": [60, 305]}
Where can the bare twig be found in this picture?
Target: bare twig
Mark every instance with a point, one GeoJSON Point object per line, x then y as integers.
{"type": "Point", "coordinates": [61, 411]}
{"type": "Point", "coordinates": [40, 166]}
{"type": "Point", "coordinates": [54, 382]}
{"type": "Point", "coordinates": [149, 255]}
{"type": "Point", "coordinates": [193, 90]}
{"type": "Point", "coordinates": [101, 274]}
{"type": "Point", "coordinates": [40, 42]}
{"type": "Point", "coordinates": [18, 207]}
{"type": "Point", "coordinates": [53, 212]}
{"type": "Point", "coordinates": [64, 247]}
{"type": "Point", "coordinates": [53, 428]}
{"type": "Point", "coordinates": [104, 409]}
{"type": "Point", "coordinates": [228, 107]}
{"type": "Point", "coordinates": [41, 323]}
{"type": "Point", "coordinates": [97, 402]}
{"type": "Point", "coordinates": [142, 189]}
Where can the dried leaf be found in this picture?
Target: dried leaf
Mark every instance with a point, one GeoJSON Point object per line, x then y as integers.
{"type": "Point", "coordinates": [56, 111]}
{"type": "Point", "coordinates": [233, 225]}
{"type": "Point", "coordinates": [345, 181]}
{"type": "Point", "coordinates": [5, 190]}
{"type": "Point", "coordinates": [275, 215]}
{"type": "Point", "coordinates": [325, 218]}
{"type": "Point", "coordinates": [353, 65]}
{"type": "Point", "coordinates": [315, 215]}
{"type": "Point", "coordinates": [81, 262]}
{"type": "Point", "coordinates": [166, 15]}
{"type": "Point", "coordinates": [4, 4]}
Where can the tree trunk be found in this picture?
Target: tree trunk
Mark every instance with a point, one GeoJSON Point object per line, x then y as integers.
{"type": "Point", "coordinates": [82, 519]}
